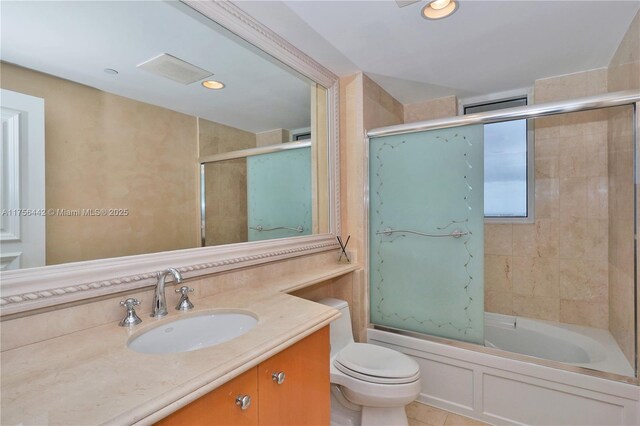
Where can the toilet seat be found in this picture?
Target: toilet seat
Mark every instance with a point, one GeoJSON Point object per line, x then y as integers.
{"type": "Point", "coordinates": [376, 364]}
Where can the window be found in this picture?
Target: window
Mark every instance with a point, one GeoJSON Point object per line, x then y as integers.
{"type": "Point", "coordinates": [508, 179]}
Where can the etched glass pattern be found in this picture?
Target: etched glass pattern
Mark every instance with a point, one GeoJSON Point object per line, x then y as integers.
{"type": "Point", "coordinates": [431, 183]}
{"type": "Point", "coordinates": [279, 194]}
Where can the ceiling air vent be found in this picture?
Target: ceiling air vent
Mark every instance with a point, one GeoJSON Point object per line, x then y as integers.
{"type": "Point", "coordinates": [175, 69]}
{"type": "Point", "coordinates": [403, 3]}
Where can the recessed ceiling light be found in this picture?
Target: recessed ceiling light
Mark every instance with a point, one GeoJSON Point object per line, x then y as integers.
{"type": "Point", "coordinates": [438, 9]}
{"type": "Point", "coordinates": [212, 84]}
{"type": "Point", "coordinates": [110, 71]}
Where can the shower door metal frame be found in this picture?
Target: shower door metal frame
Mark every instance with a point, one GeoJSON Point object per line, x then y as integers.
{"type": "Point", "coordinates": [624, 98]}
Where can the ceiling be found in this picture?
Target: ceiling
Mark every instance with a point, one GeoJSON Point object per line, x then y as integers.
{"type": "Point", "coordinates": [76, 40]}
{"type": "Point", "coordinates": [484, 47]}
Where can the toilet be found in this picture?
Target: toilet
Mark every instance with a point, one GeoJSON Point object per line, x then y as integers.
{"type": "Point", "coordinates": [370, 385]}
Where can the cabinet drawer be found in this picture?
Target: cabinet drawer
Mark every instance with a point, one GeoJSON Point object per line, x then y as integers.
{"type": "Point", "coordinates": [303, 397]}
{"type": "Point", "coordinates": [219, 407]}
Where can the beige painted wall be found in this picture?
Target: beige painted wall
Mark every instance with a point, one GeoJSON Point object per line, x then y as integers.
{"type": "Point", "coordinates": [624, 74]}
{"type": "Point", "coordinates": [225, 183]}
{"type": "Point", "coordinates": [107, 151]}
{"type": "Point", "coordinates": [556, 269]}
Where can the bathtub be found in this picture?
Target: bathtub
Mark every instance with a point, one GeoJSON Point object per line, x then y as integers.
{"type": "Point", "coordinates": [527, 384]}
{"type": "Point", "coordinates": [572, 344]}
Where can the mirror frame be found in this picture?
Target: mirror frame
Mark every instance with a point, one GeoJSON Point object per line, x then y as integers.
{"type": "Point", "coordinates": [47, 286]}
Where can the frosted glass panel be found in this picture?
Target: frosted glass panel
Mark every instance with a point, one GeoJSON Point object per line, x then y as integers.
{"type": "Point", "coordinates": [429, 183]}
{"type": "Point", "coordinates": [279, 194]}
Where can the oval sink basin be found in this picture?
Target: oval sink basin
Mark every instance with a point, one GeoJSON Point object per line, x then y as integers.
{"type": "Point", "coordinates": [193, 333]}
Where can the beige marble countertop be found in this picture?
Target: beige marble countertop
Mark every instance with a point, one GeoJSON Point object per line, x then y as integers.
{"type": "Point", "coordinates": [91, 377]}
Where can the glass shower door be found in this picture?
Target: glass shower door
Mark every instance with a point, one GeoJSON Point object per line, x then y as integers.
{"type": "Point", "coordinates": [426, 232]}
{"type": "Point", "coordinates": [279, 200]}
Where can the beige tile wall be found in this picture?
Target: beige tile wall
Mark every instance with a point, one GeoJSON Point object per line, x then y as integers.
{"type": "Point", "coordinates": [431, 109]}
{"type": "Point", "coordinates": [102, 148]}
{"type": "Point", "coordinates": [379, 108]}
{"type": "Point", "coordinates": [272, 137]}
{"type": "Point", "coordinates": [225, 182]}
{"type": "Point", "coordinates": [363, 105]}
{"type": "Point", "coordinates": [556, 268]}
{"type": "Point", "coordinates": [623, 74]}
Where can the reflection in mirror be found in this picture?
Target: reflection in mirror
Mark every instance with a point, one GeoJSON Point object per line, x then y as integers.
{"type": "Point", "coordinates": [107, 118]}
{"type": "Point", "coordinates": [258, 197]}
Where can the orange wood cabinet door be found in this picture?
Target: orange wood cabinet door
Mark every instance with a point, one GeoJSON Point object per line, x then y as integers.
{"type": "Point", "coordinates": [303, 397]}
{"type": "Point", "coordinates": [218, 407]}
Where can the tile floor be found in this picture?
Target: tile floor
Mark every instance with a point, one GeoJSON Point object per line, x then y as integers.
{"type": "Point", "coordinates": [425, 415]}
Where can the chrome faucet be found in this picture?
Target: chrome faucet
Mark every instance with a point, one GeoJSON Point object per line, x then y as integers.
{"type": "Point", "coordinates": [159, 308]}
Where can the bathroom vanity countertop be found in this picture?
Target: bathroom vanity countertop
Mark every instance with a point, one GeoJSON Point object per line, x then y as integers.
{"type": "Point", "coordinates": [91, 377]}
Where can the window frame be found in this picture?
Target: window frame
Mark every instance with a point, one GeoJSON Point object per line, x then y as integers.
{"type": "Point", "coordinates": [531, 181]}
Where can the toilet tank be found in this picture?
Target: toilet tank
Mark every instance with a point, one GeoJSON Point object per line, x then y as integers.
{"type": "Point", "coordinates": [340, 331]}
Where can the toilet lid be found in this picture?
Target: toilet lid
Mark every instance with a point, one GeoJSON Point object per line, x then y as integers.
{"type": "Point", "coordinates": [376, 364]}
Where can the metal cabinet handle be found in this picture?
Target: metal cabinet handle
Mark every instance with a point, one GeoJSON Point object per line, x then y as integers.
{"type": "Point", "coordinates": [278, 377]}
{"type": "Point", "coordinates": [243, 401]}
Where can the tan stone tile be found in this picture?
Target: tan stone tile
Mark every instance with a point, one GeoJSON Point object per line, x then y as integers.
{"type": "Point", "coordinates": [524, 240]}
{"type": "Point", "coordinates": [547, 198]}
{"type": "Point", "coordinates": [546, 167]}
{"type": "Point", "coordinates": [426, 414]}
{"type": "Point", "coordinates": [535, 276]}
{"type": "Point", "coordinates": [561, 87]}
{"type": "Point", "coordinates": [572, 244]}
{"type": "Point", "coordinates": [586, 280]}
{"type": "Point", "coordinates": [595, 143]}
{"type": "Point", "coordinates": [573, 165]}
{"type": "Point", "coordinates": [458, 420]}
{"type": "Point", "coordinates": [597, 164]}
{"type": "Point", "coordinates": [499, 303]}
{"type": "Point", "coordinates": [598, 197]}
{"type": "Point", "coordinates": [431, 109]}
{"type": "Point", "coordinates": [497, 273]}
{"type": "Point", "coordinates": [597, 81]}
{"type": "Point", "coordinates": [498, 239]}
{"type": "Point", "coordinates": [547, 147]}
{"type": "Point", "coordinates": [546, 308]}
{"type": "Point", "coordinates": [573, 197]}
{"type": "Point", "coordinates": [414, 422]}
{"type": "Point", "coordinates": [621, 306]}
{"type": "Point", "coordinates": [546, 238]}
{"type": "Point", "coordinates": [625, 77]}
{"type": "Point", "coordinates": [590, 314]}
{"type": "Point", "coordinates": [597, 239]}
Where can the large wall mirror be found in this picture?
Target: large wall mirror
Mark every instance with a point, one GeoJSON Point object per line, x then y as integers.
{"type": "Point", "coordinates": [132, 128]}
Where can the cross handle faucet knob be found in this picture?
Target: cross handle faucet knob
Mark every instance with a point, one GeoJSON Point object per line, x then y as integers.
{"type": "Point", "coordinates": [184, 304]}
{"type": "Point", "coordinates": [131, 317]}
{"type": "Point", "coordinates": [184, 290]}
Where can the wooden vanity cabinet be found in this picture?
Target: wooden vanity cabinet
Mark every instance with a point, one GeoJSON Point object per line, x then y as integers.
{"type": "Point", "coordinates": [218, 407]}
{"type": "Point", "coordinates": [303, 398]}
{"type": "Point", "coordinates": [299, 397]}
